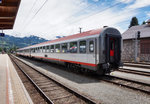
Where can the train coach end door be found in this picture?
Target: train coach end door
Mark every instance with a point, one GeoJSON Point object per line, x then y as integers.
{"type": "Point", "coordinates": [113, 49]}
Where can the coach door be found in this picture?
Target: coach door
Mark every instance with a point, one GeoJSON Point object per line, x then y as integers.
{"type": "Point", "coordinates": [92, 56]}
{"type": "Point", "coordinates": [113, 49]}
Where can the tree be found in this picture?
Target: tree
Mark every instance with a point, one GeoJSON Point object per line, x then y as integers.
{"type": "Point", "coordinates": [12, 49]}
{"type": "Point", "coordinates": [134, 22]}
{"type": "Point", "coordinates": [143, 23]}
{"type": "Point", "coordinates": [0, 49]}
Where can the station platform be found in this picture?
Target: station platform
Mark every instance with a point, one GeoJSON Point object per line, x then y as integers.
{"type": "Point", "coordinates": [12, 90]}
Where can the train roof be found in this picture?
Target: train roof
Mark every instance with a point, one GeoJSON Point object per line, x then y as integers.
{"type": "Point", "coordinates": [74, 36]}
{"type": "Point", "coordinates": [101, 31]}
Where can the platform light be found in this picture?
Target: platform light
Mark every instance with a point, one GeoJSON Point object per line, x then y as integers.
{"type": "Point", "coordinates": [0, 1]}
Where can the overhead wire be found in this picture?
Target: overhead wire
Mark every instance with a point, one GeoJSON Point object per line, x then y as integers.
{"type": "Point", "coordinates": [75, 13]}
{"type": "Point", "coordinates": [36, 14]}
{"type": "Point", "coordinates": [107, 9]}
{"type": "Point", "coordinates": [98, 12]}
{"type": "Point", "coordinates": [30, 11]}
{"type": "Point", "coordinates": [69, 16]}
{"type": "Point", "coordinates": [116, 4]}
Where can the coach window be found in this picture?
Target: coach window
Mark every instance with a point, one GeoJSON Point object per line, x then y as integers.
{"type": "Point", "coordinates": [47, 48]}
{"type": "Point", "coordinates": [37, 50]}
{"type": "Point", "coordinates": [52, 49]}
{"type": "Point", "coordinates": [40, 49]}
{"type": "Point", "coordinates": [73, 47]}
{"type": "Point", "coordinates": [57, 48]}
{"type": "Point", "coordinates": [64, 47]}
{"type": "Point", "coordinates": [91, 46]}
{"type": "Point", "coordinates": [82, 46]}
{"type": "Point", "coordinates": [33, 50]}
{"type": "Point", "coordinates": [43, 49]}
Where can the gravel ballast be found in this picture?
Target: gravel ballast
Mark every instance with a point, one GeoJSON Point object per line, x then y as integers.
{"type": "Point", "coordinates": [105, 92]}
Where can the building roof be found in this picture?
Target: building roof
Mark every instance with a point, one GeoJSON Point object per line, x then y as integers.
{"type": "Point", "coordinates": [148, 21]}
{"type": "Point", "coordinates": [130, 33]}
{"type": "Point", "coordinates": [8, 12]}
{"type": "Point", "coordinates": [75, 36]}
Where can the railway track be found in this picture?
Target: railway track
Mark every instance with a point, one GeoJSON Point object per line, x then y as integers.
{"type": "Point", "coordinates": [51, 90]}
{"type": "Point", "coordinates": [131, 84]}
{"type": "Point", "coordinates": [135, 85]}
{"type": "Point", "coordinates": [144, 73]}
{"type": "Point", "coordinates": [139, 65]}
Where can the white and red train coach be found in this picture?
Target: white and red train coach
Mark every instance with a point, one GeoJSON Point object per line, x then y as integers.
{"type": "Point", "coordinates": [98, 50]}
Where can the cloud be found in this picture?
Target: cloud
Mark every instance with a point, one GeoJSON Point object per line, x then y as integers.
{"type": "Point", "coordinates": [139, 4]}
{"type": "Point", "coordinates": [64, 17]}
{"type": "Point", "coordinates": [125, 1]}
{"type": "Point", "coordinates": [95, 0]}
{"type": "Point", "coordinates": [54, 12]}
{"type": "Point", "coordinates": [148, 13]}
{"type": "Point", "coordinates": [99, 20]}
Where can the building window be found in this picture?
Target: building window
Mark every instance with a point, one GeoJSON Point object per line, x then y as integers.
{"type": "Point", "coordinates": [73, 47]}
{"type": "Point", "coordinates": [145, 48]}
{"type": "Point", "coordinates": [64, 47]}
{"type": "Point", "coordinates": [82, 46]}
{"type": "Point", "coordinates": [91, 46]}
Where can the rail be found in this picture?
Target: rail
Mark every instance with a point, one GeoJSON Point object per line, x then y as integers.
{"type": "Point", "coordinates": [77, 94]}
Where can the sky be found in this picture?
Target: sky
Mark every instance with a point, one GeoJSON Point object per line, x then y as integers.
{"type": "Point", "coordinates": [51, 18]}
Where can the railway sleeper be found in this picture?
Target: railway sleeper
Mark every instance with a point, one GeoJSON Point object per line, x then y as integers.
{"type": "Point", "coordinates": [47, 90]}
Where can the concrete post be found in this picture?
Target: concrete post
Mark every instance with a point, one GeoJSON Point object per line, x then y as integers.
{"type": "Point", "coordinates": [137, 36]}
{"type": "Point", "coordinates": [136, 48]}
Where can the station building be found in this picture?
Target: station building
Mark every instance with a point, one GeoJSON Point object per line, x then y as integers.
{"type": "Point", "coordinates": [132, 43]}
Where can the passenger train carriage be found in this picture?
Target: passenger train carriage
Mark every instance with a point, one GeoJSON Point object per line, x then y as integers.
{"type": "Point", "coordinates": [98, 50]}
